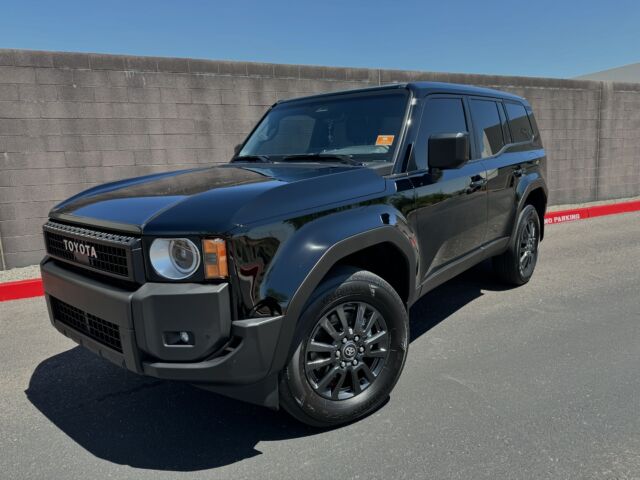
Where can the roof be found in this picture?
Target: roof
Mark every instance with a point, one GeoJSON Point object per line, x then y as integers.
{"type": "Point", "coordinates": [441, 87]}
{"type": "Point", "coordinates": [421, 89]}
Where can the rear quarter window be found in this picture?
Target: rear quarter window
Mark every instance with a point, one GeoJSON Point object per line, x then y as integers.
{"type": "Point", "coordinates": [519, 124]}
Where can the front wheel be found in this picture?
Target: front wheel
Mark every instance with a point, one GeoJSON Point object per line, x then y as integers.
{"type": "Point", "coordinates": [350, 350]}
{"type": "Point", "coordinates": [516, 265]}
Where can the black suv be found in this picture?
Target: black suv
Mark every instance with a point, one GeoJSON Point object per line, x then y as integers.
{"type": "Point", "coordinates": [284, 278]}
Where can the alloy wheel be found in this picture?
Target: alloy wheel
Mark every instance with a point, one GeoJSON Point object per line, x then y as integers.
{"type": "Point", "coordinates": [346, 350]}
{"type": "Point", "coordinates": [528, 247]}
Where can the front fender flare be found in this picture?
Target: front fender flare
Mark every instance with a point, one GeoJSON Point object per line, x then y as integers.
{"type": "Point", "coordinates": [396, 234]}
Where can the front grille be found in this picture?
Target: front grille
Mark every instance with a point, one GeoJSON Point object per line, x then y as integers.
{"type": "Point", "coordinates": [100, 330]}
{"type": "Point", "coordinates": [104, 252]}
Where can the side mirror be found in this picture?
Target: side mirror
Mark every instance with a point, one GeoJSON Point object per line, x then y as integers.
{"type": "Point", "coordinates": [448, 150]}
{"type": "Point", "coordinates": [236, 149]}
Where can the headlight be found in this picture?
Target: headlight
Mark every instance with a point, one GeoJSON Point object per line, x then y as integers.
{"type": "Point", "coordinates": [174, 258]}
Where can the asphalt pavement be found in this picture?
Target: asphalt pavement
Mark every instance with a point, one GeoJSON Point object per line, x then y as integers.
{"type": "Point", "coordinates": [541, 381]}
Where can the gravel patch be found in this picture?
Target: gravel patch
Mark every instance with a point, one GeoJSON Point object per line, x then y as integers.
{"type": "Point", "coordinates": [23, 273]}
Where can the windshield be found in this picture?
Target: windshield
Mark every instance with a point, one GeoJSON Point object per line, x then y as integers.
{"type": "Point", "coordinates": [363, 127]}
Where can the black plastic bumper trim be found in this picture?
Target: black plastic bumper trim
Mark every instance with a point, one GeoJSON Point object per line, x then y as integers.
{"type": "Point", "coordinates": [241, 370]}
{"type": "Point", "coordinates": [249, 362]}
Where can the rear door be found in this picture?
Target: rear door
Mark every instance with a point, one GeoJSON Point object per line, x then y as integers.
{"type": "Point", "coordinates": [507, 165]}
{"type": "Point", "coordinates": [451, 204]}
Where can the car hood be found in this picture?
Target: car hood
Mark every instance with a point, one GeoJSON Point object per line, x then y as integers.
{"type": "Point", "coordinates": [217, 199]}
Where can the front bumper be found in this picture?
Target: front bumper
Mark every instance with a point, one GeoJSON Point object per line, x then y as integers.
{"type": "Point", "coordinates": [232, 357]}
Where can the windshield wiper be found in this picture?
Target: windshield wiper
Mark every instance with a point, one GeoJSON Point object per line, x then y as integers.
{"type": "Point", "coordinates": [328, 157]}
{"type": "Point", "coordinates": [251, 158]}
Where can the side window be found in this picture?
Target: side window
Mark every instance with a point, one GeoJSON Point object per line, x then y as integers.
{"type": "Point", "coordinates": [519, 124]}
{"type": "Point", "coordinates": [441, 115]}
{"type": "Point", "coordinates": [503, 120]}
{"type": "Point", "coordinates": [487, 127]}
{"type": "Point", "coordinates": [534, 125]}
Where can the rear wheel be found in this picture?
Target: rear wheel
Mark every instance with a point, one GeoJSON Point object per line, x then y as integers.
{"type": "Point", "coordinates": [350, 351]}
{"type": "Point", "coordinates": [516, 265]}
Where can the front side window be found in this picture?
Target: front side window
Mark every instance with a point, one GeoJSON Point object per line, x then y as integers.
{"type": "Point", "coordinates": [487, 126]}
{"type": "Point", "coordinates": [519, 125]}
{"type": "Point", "coordinates": [364, 127]}
{"type": "Point", "coordinates": [441, 115]}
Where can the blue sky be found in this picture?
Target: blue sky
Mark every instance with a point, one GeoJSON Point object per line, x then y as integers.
{"type": "Point", "coordinates": [534, 38]}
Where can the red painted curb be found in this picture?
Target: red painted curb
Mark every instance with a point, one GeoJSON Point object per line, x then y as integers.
{"type": "Point", "coordinates": [590, 212]}
{"type": "Point", "coordinates": [33, 287]}
{"type": "Point", "coordinates": [21, 289]}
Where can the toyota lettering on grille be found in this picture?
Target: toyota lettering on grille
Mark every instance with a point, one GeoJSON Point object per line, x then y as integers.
{"type": "Point", "coordinates": [81, 249]}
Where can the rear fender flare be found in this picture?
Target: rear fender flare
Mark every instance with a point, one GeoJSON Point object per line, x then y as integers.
{"type": "Point", "coordinates": [527, 185]}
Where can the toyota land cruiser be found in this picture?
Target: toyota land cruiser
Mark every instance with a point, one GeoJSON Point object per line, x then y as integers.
{"type": "Point", "coordinates": [284, 278]}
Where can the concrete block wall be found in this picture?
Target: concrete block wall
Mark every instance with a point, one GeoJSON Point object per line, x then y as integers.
{"type": "Point", "coordinates": [69, 121]}
{"type": "Point", "coordinates": [618, 170]}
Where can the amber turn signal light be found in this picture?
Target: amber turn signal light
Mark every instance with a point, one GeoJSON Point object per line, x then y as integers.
{"type": "Point", "coordinates": [215, 258]}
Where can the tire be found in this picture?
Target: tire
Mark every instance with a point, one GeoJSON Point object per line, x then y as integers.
{"type": "Point", "coordinates": [510, 266]}
{"type": "Point", "coordinates": [376, 357]}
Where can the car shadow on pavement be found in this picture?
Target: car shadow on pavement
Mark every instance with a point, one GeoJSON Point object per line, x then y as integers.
{"type": "Point", "coordinates": [147, 423]}
{"type": "Point", "coordinates": [152, 424]}
{"type": "Point", "coordinates": [442, 302]}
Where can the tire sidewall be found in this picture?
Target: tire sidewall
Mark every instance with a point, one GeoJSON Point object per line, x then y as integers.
{"type": "Point", "coordinates": [528, 212]}
{"type": "Point", "coordinates": [379, 295]}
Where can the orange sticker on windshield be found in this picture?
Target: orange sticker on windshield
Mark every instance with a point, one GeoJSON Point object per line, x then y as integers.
{"type": "Point", "coordinates": [385, 139]}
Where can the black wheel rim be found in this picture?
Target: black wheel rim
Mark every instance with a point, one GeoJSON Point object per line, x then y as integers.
{"type": "Point", "coordinates": [346, 350]}
{"type": "Point", "coordinates": [528, 247]}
